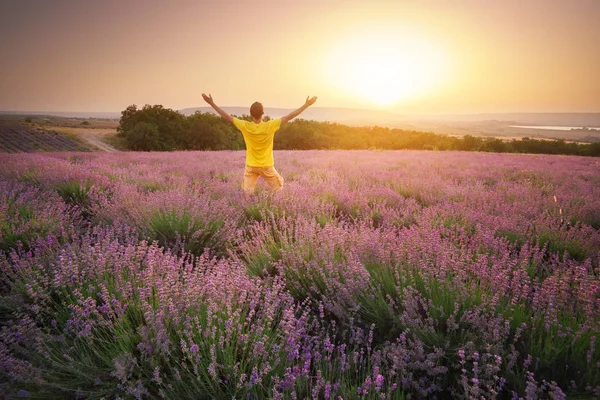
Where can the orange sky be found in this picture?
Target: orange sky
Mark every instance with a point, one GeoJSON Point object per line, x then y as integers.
{"type": "Point", "coordinates": [406, 56]}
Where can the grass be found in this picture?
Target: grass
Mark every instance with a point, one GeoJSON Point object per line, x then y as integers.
{"type": "Point", "coordinates": [324, 219]}
{"type": "Point", "coordinates": [185, 231]}
{"type": "Point", "coordinates": [262, 263]}
{"type": "Point", "coordinates": [557, 245]}
{"type": "Point", "coordinates": [74, 192]}
{"type": "Point", "coordinates": [30, 176]}
{"type": "Point", "coordinates": [116, 141]}
{"type": "Point", "coordinates": [411, 192]}
{"type": "Point", "coordinates": [149, 186]}
{"type": "Point", "coordinates": [21, 225]}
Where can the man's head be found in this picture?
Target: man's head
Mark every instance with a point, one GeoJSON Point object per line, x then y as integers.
{"type": "Point", "coordinates": [256, 110]}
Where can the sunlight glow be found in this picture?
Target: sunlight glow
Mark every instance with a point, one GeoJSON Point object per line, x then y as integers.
{"type": "Point", "coordinates": [387, 68]}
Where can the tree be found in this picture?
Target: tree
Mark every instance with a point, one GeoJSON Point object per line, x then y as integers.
{"type": "Point", "coordinates": [127, 120]}
{"type": "Point", "coordinates": [144, 136]}
{"type": "Point", "coordinates": [168, 125]}
{"type": "Point", "coordinates": [210, 132]}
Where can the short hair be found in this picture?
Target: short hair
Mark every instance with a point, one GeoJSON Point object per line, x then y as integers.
{"type": "Point", "coordinates": [256, 110]}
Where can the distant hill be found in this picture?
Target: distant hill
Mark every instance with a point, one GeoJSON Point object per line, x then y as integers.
{"type": "Point", "coordinates": [559, 119]}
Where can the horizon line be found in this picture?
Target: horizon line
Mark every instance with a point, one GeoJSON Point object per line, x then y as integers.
{"type": "Point", "coordinates": [37, 112]}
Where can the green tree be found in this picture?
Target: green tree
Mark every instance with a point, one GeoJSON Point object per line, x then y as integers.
{"type": "Point", "coordinates": [143, 137]}
{"type": "Point", "coordinates": [210, 132]}
{"type": "Point", "coordinates": [170, 126]}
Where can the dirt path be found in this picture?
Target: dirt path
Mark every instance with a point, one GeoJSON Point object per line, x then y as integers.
{"type": "Point", "coordinates": [95, 139]}
{"type": "Point", "coordinates": [93, 136]}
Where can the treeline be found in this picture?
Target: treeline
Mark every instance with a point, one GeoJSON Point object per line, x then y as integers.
{"type": "Point", "coordinates": [155, 128]}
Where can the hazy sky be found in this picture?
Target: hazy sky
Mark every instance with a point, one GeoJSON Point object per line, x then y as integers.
{"type": "Point", "coordinates": [407, 56]}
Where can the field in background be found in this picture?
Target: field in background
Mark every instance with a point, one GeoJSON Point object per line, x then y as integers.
{"type": "Point", "coordinates": [373, 274]}
{"type": "Point", "coordinates": [39, 134]}
{"type": "Point", "coordinates": [17, 137]}
{"type": "Point", "coordinates": [74, 122]}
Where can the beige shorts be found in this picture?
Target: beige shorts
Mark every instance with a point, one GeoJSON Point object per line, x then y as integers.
{"type": "Point", "coordinates": [270, 175]}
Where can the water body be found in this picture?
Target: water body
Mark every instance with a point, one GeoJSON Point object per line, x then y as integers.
{"type": "Point", "coordinates": [557, 128]}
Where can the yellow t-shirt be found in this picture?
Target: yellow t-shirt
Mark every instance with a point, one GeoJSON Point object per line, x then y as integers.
{"type": "Point", "coordinates": [259, 141]}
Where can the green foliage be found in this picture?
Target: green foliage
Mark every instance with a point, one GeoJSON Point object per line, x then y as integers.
{"type": "Point", "coordinates": [74, 192]}
{"type": "Point", "coordinates": [77, 194]}
{"type": "Point", "coordinates": [172, 229]}
{"type": "Point", "coordinates": [557, 354]}
{"type": "Point", "coordinates": [152, 128]}
{"type": "Point", "coordinates": [144, 136]}
{"type": "Point", "coordinates": [210, 132]}
{"type": "Point", "coordinates": [29, 176]}
{"type": "Point", "coordinates": [555, 244]}
{"type": "Point", "coordinates": [21, 224]}
{"type": "Point", "coordinates": [164, 129]}
{"type": "Point", "coordinates": [299, 135]}
{"type": "Point", "coordinates": [254, 212]}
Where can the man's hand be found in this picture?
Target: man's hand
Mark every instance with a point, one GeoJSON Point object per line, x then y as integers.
{"type": "Point", "coordinates": [223, 114]}
{"type": "Point", "coordinates": [310, 101]}
{"type": "Point", "coordinates": [208, 99]}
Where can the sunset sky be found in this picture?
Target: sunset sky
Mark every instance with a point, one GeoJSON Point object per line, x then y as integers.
{"type": "Point", "coordinates": [406, 56]}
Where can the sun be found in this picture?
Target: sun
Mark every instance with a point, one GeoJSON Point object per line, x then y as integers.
{"type": "Point", "coordinates": [385, 69]}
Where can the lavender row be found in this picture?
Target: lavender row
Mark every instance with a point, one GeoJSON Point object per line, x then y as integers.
{"type": "Point", "coordinates": [17, 138]}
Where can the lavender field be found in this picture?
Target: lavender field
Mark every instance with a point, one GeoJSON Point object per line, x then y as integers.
{"type": "Point", "coordinates": [373, 274]}
{"type": "Point", "coordinates": [16, 137]}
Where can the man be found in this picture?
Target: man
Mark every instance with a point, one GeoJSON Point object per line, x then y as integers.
{"type": "Point", "coordinates": [258, 136]}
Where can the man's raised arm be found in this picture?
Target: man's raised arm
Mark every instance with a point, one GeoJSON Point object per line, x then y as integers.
{"type": "Point", "coordinates": [309, 102]}
{"type": "Point", "coordinates": [218, 109]}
